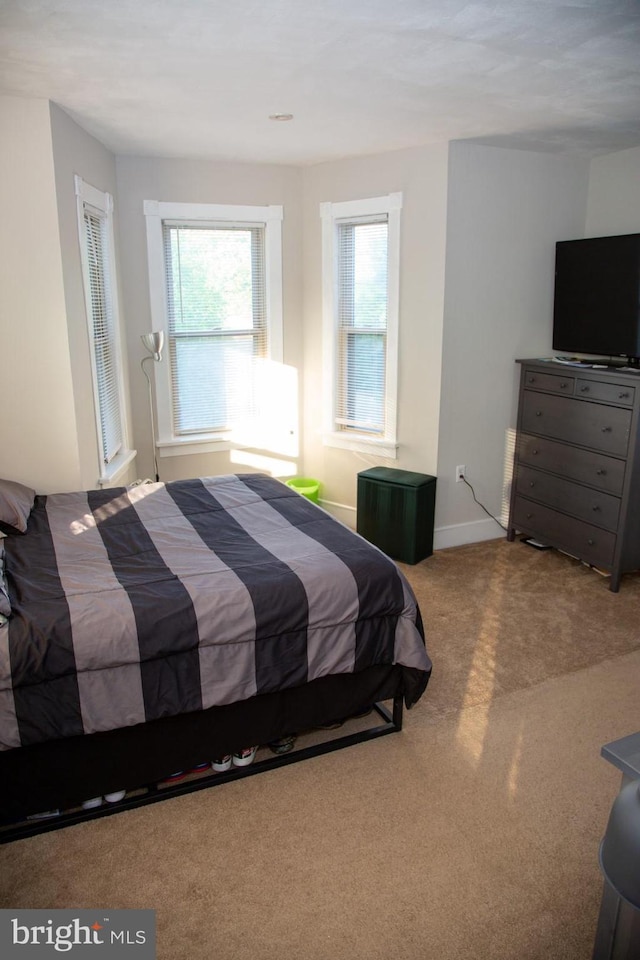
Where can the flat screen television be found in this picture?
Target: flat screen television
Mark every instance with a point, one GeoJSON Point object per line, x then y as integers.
{"type": "Point", "coordinates": [596, 307]}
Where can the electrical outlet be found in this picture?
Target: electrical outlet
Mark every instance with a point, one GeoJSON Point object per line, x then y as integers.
{"type": "Point", "coordinates": [460, 472]}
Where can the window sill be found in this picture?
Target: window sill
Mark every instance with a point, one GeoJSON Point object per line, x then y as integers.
{"type": "Point", "coordinates": [193, 445]}
{"type": "Point", "coordinates": [114, 470]}
{"type": "Point", "coordinates": [362, 444]}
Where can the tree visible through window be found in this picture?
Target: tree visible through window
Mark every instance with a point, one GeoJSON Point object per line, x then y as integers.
{"type": "Point", "coordinates": [215, 284]}
{"type": "Point", "coordinates": [216, 304]}
{"type": "Point", "coordinates": [360, 263]}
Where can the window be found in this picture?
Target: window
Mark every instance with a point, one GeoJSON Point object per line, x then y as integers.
{"type": "Point", "coordinates": [360, 298]}
{"type": "Point", "coordinates": [216, 291]}
{"type": "Point", "coordinates": [95, 224]}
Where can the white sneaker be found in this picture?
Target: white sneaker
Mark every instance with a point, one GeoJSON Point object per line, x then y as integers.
{"type": "Point", "coordinates": [245, 757]}
{"type": "Point", "coordinates": [91, 804]}
{"type": "Point", "coordinates": [114, 797]}
{"type": "Point", "coordinates": [224, 763]}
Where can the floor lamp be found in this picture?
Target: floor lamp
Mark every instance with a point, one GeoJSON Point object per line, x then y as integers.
{"type": "Point", "coordinates": [154, 343]}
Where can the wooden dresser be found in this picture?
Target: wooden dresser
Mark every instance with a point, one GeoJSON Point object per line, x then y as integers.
{"type": "Point", "coordinates": [576, 483]}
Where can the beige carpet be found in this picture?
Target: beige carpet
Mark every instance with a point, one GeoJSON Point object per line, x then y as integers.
{"type": "Point", "coordinates": [472, 835]}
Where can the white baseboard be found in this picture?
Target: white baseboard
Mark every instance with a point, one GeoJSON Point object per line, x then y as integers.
{"type": "Point", "coordinates": [341, 512]}
{"type": "Point", "coordinates": [455, 535]}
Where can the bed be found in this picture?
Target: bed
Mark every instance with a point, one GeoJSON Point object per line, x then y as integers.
{"type": "Point", "coordinates": [149, 629]}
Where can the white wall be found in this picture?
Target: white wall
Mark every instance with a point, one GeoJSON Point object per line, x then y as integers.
{"type": "Point", "coordinates": [491, 215]}
{"type": "Point", "coordinates": [421, 176]}
{"type": "Point", "coordinates": [188, 181]}
{"type": "Point", "coordinates": [506, 210]}
{"type": "Point", "coordinates": [76, 152]}
{"type": "Point", "coordinates": [38, 438]}
{"type": "Point", "coordinates": [614, 194]}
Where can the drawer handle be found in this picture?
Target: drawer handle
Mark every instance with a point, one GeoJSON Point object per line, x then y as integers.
{"type": "Point", "coordinates": [595, 508]}
{"type": "Point", "coordinates": [564, 385]}
{"type": "Point", "coordinates": [532, 483]}
{"type": "Point", "coordinates": [584, 388]}
{"type": "Point", "coordinates": [538, 413]}
{"type": "Point", "coordinates": [534, 453]}
{"type": "Point", "coordinates": [529, 515]}
{"type": "Point", "coordinates": [606, 429]}
{"type": "Point", "coordinates": [623, 396]}
{"type": "Point", "coordinates": [590, 541]}
{"type": "Point", "coordinates": [532, 379]}
{"type": "Point", "coordinates": [601, 473]}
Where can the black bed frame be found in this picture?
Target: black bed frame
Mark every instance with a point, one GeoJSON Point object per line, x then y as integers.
{"type": "Point", "coordinates": [392, 723]}
{"type": "Point", "coordinates": [303, 709]}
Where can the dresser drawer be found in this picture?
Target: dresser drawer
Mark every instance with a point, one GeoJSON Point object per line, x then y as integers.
{"type": "Point", "coordinates": [593, 506]}
{"type": "Point", "coordinates": [586, 466]}
{"type": "Point", "coordinates": [551, 382]}
{"type": "Point", "coordinates": [587, 424]}
{"type": "Point", "coordinates": [609, 392]}
{"type": "Point", "coordinates": [578, 538]}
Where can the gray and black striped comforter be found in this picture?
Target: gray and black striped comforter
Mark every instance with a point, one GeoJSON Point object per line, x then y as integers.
{"type": "Point", "coordinates": [134, 604]}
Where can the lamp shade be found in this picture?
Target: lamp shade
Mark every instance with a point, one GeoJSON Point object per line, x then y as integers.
{"type": "Point", "coordinates": [154, 342]}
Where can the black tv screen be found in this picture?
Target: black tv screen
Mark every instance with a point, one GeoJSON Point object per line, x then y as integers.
{"type": "Point", "coordinates": [596, 308]}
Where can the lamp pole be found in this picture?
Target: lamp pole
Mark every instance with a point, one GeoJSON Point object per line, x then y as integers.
{"type": "Point", "coordinates": [154, 343]}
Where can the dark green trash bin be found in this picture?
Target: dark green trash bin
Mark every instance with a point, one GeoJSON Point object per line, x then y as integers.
{"type": "Point", "coordinates": [396, 512]}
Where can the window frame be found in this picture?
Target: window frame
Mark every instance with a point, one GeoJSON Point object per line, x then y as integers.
{"type": "Point", "coordinates": [156, 213]}
{"type": "Point", "coordinates": [332, 215]}
{"type": "Point", "coordinates": [89, 198]}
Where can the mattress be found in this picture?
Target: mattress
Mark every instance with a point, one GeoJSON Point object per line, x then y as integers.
{"type": "Point", "coordinates": [134, 604]}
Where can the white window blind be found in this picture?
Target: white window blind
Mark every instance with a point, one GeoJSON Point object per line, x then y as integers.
{"type": "Point", "coordinates": [97, 254]}
{"type": "Point", "coordinates": [361, 325]}
{"type": "Point", "coordinates": [217, 322]}
{"type": "Point", "coordinates": [99, 283]}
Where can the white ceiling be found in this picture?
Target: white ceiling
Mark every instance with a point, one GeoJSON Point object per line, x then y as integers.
{"type": "Point", "coordinates": [199, 78]}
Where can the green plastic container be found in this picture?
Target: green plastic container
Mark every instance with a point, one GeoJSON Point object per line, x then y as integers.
{"type": "Point", "coordinates": [306, 487]}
